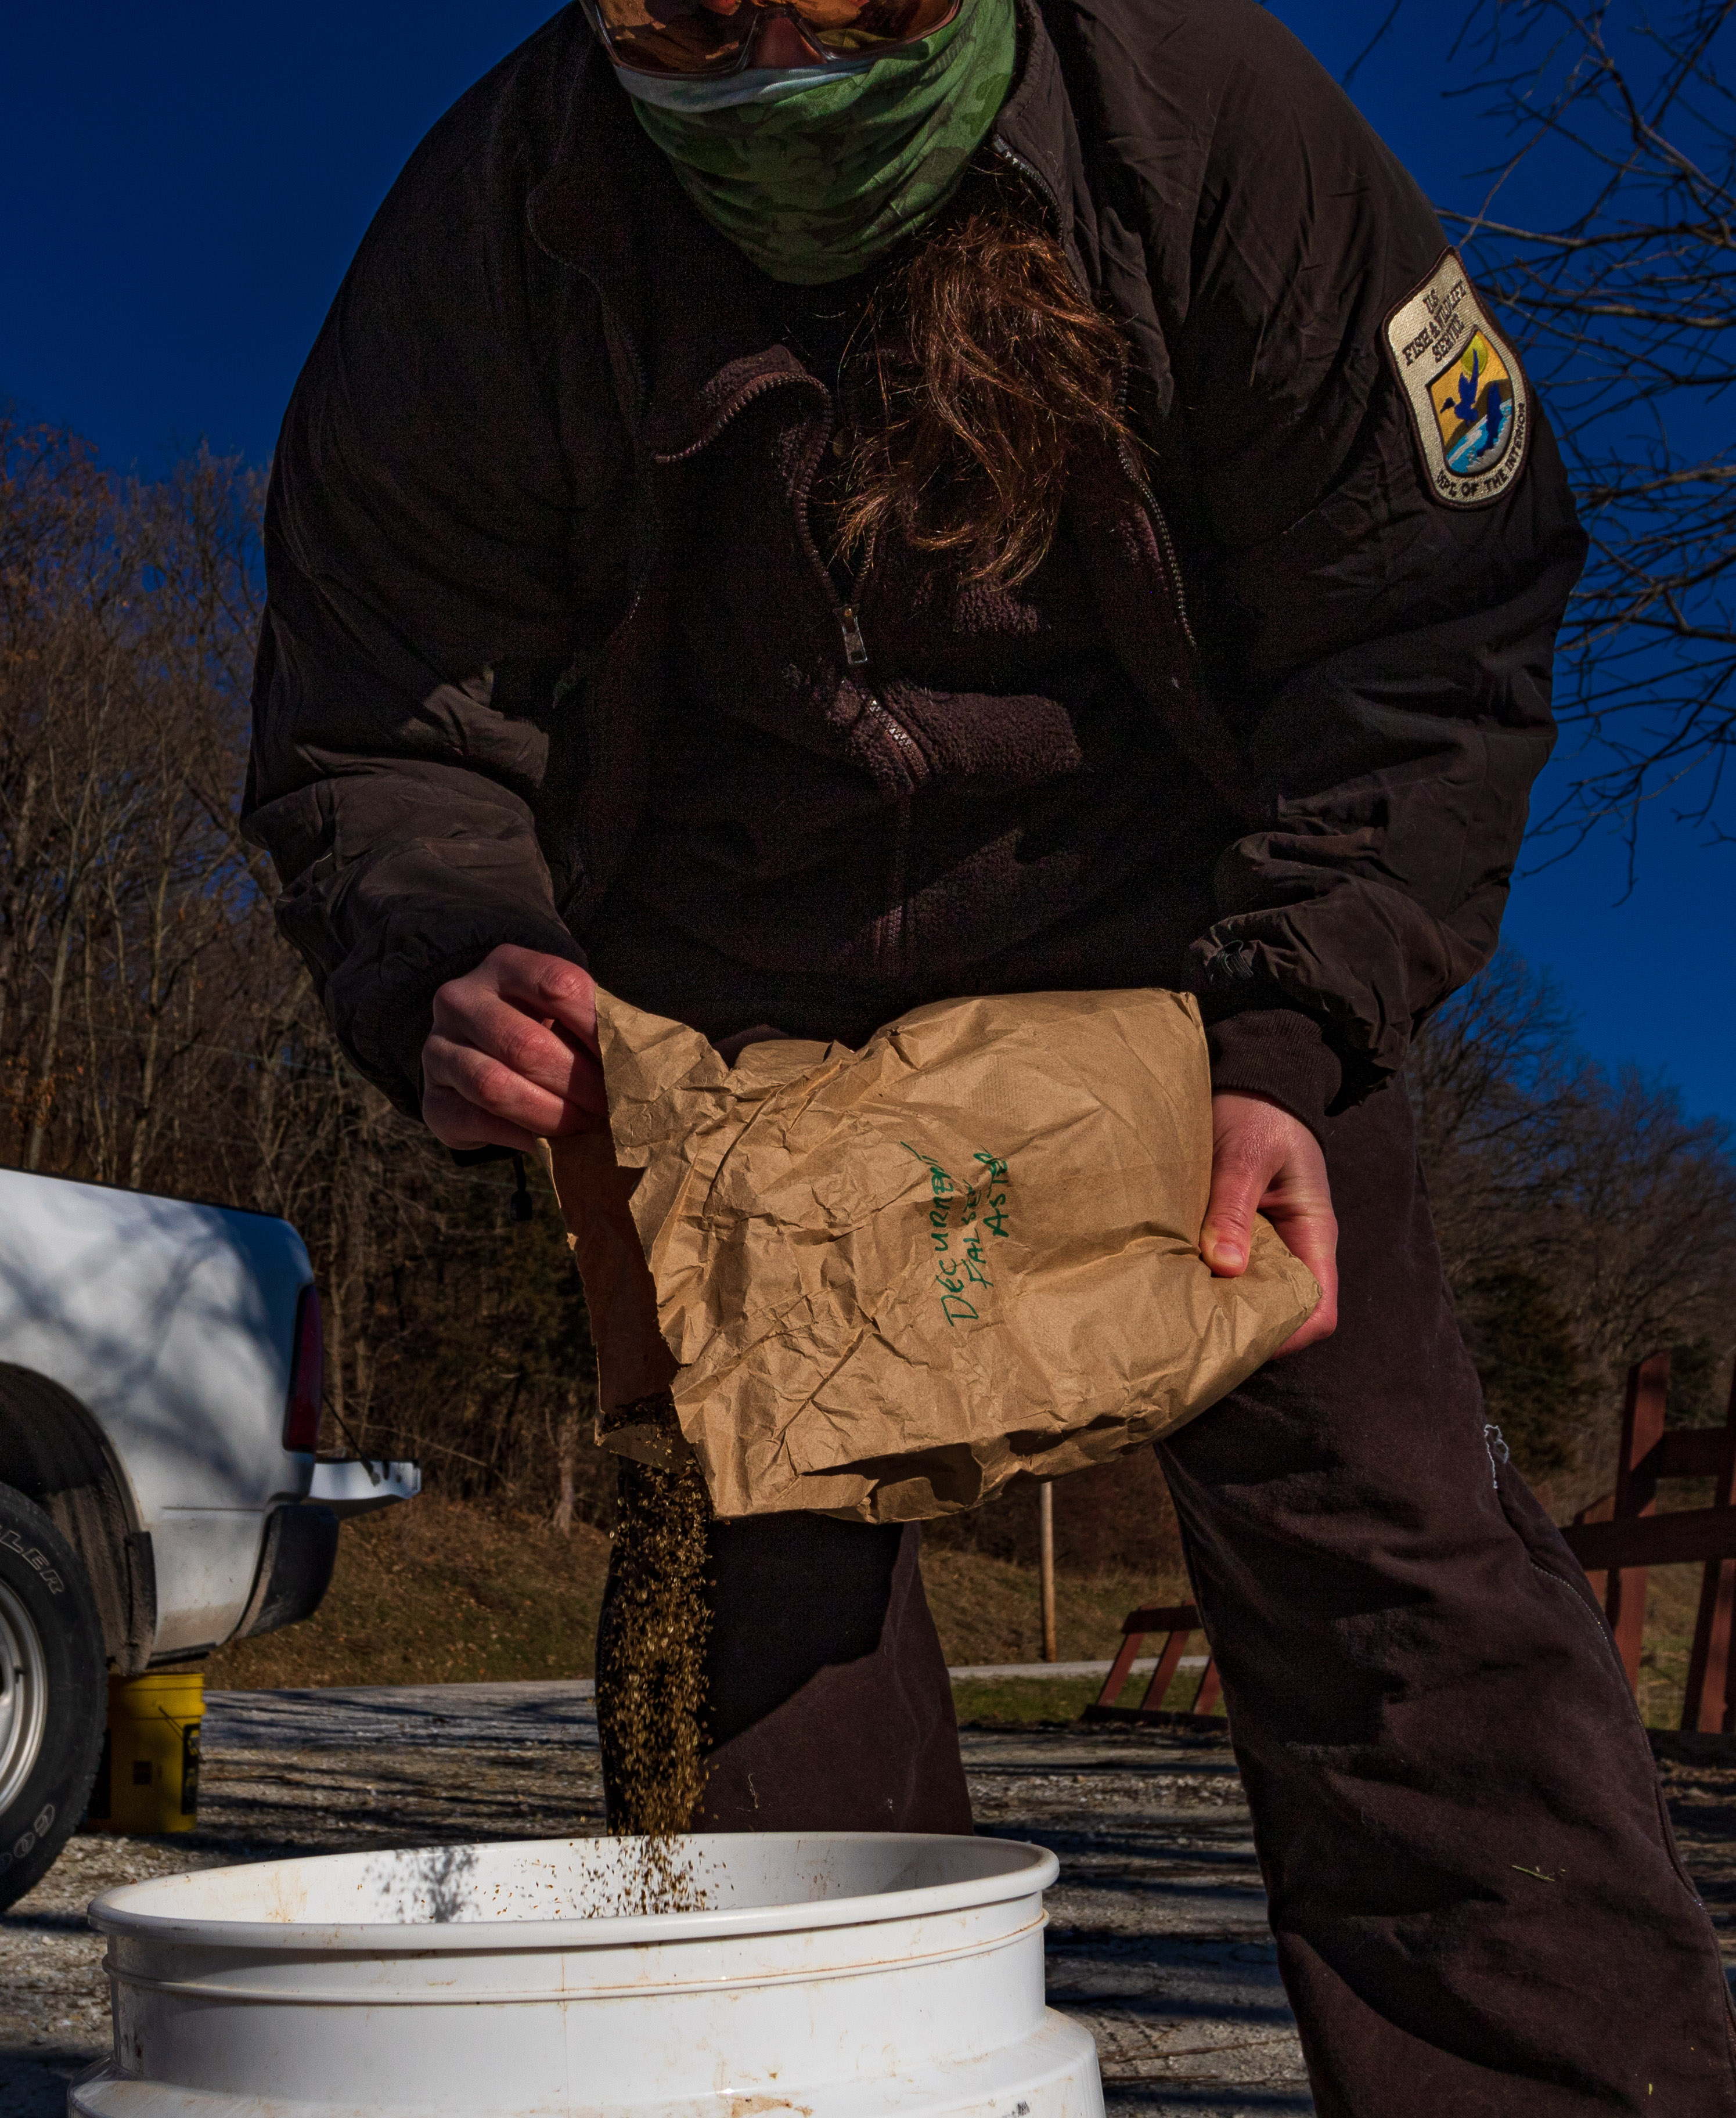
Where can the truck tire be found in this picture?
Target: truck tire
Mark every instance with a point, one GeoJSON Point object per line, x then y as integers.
{"type": "Point", "coordinates": [54, 1693]}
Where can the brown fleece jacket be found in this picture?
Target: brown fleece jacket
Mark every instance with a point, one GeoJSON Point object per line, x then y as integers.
{"type": "Point", "coordinates": [549, 657]}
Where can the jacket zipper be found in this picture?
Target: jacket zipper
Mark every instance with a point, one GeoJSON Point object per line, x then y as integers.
{"type": "Point", "coordinates": [845, 614]}
{"type": "Point", "coordinates": [855, 647]}
{"type": "Point", "coordinates": [739, 403]}
{"type": "Point", "coordinates": [889, 929]}
{"type": "Point", "coordinates": [1031, 176]}
{"type": "Point", "coordinates": [1148, 499]}
{"type": "Point", "coordinates": [857, 657]}
{"type": "Point", "coordinates": [1136, 477]}
{"type": "Point", "coordinates": [1171, 565]}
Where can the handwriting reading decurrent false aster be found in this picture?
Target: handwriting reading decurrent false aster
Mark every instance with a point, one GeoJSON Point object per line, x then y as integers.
{"type": "Point", "coordinates": [959, 1217]}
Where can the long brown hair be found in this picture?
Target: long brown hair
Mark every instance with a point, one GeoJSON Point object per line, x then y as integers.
{"type": "Point", "coordinates": [979, 365]}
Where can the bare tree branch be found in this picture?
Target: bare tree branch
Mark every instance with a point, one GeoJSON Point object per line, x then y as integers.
{"type": "Point", "coordinates": [1625, 307]}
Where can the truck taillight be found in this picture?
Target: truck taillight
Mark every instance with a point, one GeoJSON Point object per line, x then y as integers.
{"type": "Point", "coordinates": [307, 1375]}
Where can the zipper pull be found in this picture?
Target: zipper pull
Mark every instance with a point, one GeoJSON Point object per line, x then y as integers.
{"type": "Point", "coordinates": [855, 649]}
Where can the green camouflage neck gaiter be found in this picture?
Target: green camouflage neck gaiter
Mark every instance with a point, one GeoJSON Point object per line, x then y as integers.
{"type": "Point", "coordinates": [816, 185]}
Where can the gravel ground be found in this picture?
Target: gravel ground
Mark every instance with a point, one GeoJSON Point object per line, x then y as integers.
{"type": "Point", "coordinates": [1157, 1940]}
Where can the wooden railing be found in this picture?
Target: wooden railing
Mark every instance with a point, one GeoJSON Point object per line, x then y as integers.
{"type": "Point", "coordinates": [1616, 1540]}
{"type": "Point", "coordinates": [1177, 1621]}
{"type": "Point", "coordinates": [1619, 1538]}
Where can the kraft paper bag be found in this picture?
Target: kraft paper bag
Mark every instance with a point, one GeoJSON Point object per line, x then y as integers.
{"type": "Point", "coordinates": [879, 1283]}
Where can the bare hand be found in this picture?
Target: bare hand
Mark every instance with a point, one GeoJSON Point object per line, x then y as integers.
{"type": "Point", "coordinates": [1264, 1161]}
{"type": "Point", "coordinates": [513, 1053]}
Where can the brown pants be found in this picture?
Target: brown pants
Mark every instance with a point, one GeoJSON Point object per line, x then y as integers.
{"type": "Point", "coordinates": [1478, 1901]}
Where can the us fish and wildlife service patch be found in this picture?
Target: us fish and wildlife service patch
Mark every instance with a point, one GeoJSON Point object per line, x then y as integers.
{"type": "Point", "coordinates": [1467, 395]}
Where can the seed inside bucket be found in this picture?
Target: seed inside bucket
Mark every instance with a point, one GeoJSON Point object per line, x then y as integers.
{"type": "Point", "coordinates": [650, 1676]}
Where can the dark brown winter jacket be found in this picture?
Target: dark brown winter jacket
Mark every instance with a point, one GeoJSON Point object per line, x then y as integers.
{"type": "Point", "coordinates": [1265, 724]}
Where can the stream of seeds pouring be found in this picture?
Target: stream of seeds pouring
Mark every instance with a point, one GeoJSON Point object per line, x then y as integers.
{"type": "Point", "coordinates": [651, 1678]}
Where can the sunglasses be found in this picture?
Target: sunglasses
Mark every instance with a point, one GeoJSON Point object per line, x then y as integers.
{"type": "Point", "coordinates": [678, 37]}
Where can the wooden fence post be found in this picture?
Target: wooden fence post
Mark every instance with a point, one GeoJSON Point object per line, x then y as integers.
{"type": "Point", "coordinates": [1046, 1565]}
{"type": "Point", "coordinates": [1635, 1495]}
{"type": "Point", "coordinates": [1707, 1704]}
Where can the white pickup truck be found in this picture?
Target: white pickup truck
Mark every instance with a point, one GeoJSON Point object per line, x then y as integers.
{"type": "Point", "coordinates": [160, 1380]}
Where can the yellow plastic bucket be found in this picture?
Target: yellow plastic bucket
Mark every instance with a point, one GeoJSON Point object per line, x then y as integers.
{"type": "Point", "coordinates": [148, 1780]}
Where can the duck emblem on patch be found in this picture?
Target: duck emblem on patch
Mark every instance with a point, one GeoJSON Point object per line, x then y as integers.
{"type": "Point", "coordinates": [1468, 401]}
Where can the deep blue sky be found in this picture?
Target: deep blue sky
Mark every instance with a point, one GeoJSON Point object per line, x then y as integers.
{"type": "Point", "coordinates": [186, 183]}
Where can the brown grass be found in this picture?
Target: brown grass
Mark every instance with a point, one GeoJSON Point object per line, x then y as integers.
{"type": "Point", "coordinates": [1672, 1599]}
{"type": "Point", "coordinates": [446, 1592]}
{"type": "Point", "coordinates": [988, 1610]}
{"type": "Point", "coordinates": [1672, 1602]}
{"type": "Point", "coordinates": [439, 1592]}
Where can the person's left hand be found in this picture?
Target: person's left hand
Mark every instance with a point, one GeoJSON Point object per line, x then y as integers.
{"type": "Point", "coordinates": [1263, 1161]}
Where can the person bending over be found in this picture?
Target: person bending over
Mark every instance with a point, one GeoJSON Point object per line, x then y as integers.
{"type": "Point", "coordinates": [800, 511]}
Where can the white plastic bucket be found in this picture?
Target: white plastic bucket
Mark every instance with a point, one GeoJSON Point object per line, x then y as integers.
{"type": "Point", "coordinates": [836, 1976]}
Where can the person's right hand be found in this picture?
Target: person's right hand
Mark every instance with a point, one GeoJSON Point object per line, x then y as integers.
{"type": "Point", "coordinates": [1264, 1161]}
{"type": "Point", "coordinates": [513, 1053]}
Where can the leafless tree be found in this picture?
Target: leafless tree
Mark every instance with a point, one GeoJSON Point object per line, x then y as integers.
{"type": "Point", "coordinates": [1584, 1219]}
{"type": "Point", "coordinates": [154, 1030]}
{"type": "Point", "coordinates": [1608, 236]}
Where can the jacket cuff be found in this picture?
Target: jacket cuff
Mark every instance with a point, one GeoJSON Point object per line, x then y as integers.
{"type": "Point", "coordinates": [1281, 1054]}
